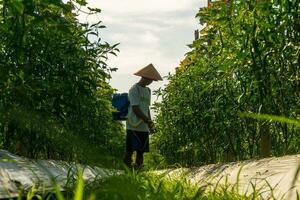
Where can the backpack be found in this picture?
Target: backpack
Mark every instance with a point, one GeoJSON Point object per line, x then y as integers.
{"type": "Point", "coordinates": [120, 102]}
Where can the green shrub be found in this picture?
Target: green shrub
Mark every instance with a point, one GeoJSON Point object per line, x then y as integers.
{"type": "Point", "coordinates": [245, 61]}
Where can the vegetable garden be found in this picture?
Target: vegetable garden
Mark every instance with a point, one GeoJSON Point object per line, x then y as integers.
{"type": "Point", "coordinates": [235, 95]}
{"type": "Point", "coordinates": [246, 61]}
{"type": "Point", "coordinates": [55, 96]}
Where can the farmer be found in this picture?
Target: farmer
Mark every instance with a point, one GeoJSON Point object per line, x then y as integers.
{"type": "Point", "coordinates": [139, 124]}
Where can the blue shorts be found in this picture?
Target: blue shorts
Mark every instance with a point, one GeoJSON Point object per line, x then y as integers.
{"type": "Point", "coordinates": [137, 141]}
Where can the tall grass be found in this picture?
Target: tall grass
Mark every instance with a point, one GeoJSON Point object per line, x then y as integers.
{"type": "Point", "coordinates": [148, 185]}
{"type": "Point", "coordinates": [139, 186]}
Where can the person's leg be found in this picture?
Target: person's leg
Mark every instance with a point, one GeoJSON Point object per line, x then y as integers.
{"type": "Point", "coordinates": [143, 138]}
{"type": "Point", "coordinates": [139, 159]}
{"type": "Point", "coordinates": [128, 158]}
{"type": "Point", "coordinates": [129, 149]}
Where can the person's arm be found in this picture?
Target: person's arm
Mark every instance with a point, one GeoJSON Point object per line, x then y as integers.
{"type": "Point", "coordinates": [134, 98]}
{"type": "Point", "coordinates": [149, 114]}
{"type": "Point", "coordinates": [137, 111]}
{"type": "Point", "coordinates": [151, 124]}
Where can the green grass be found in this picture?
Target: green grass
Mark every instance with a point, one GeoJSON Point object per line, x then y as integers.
{"type": "Point", "coordinates": [145, 184]}
{"type": "Point", "coordinates": [151, 185]}
{"type": "Point", "coordinates": [140, 186]}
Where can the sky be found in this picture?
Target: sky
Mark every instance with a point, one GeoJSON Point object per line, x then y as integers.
{"type": "Point", "coordinates": [156, 31]}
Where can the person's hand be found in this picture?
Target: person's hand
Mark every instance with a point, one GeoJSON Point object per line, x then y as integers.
{"type": "Point", "coordinates": [151, 126]}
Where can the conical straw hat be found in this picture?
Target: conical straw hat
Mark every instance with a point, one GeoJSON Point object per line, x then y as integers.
{"type": "Point", "coordinates": [149, 72]}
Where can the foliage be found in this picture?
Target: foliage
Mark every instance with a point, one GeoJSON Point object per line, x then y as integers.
{"type": "Point", "coordinates": [247, 60]}
{"type": "Point", "coordinates": [180, 183]}
{"type": "Point", "coordinates": [142, 186]}
{"type": "Point", "coordinates": [55, 98]}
